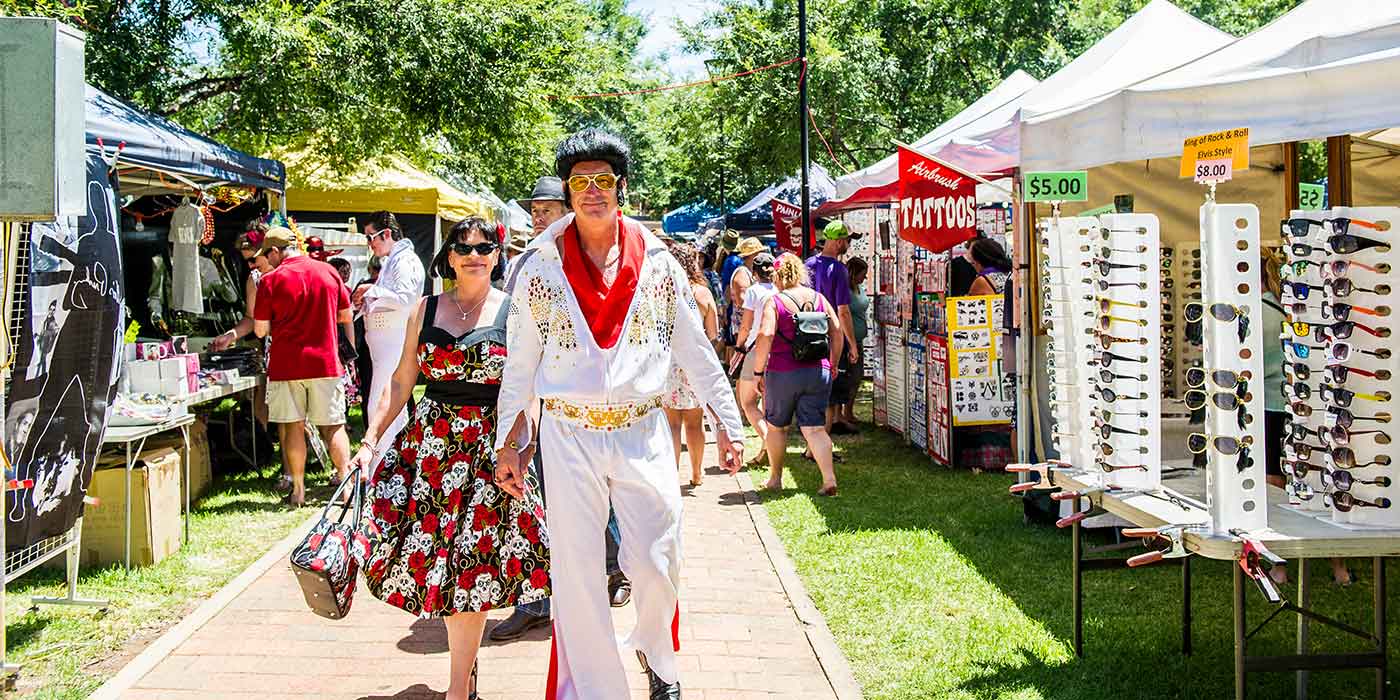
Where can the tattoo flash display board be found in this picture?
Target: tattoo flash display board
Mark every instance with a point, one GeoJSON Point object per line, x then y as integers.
{"type": "Point", "coordinates": [980, 392]}
{"type": "Point", "coordinates": [918, 391]}
{"type": "Point", "coordinates": [940, 445]}
{"type": "Point", "coordinates": [895, 394]}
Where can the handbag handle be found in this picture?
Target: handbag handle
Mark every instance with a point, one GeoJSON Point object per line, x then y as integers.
{"type": "Point", "coordinates": [351, 480]}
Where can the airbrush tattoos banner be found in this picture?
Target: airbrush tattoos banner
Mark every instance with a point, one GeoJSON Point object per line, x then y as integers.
{"type": "Point", "coordinates": [66, 362]}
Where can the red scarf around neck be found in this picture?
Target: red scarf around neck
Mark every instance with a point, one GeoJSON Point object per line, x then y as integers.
{"type": "Point", "coordinates": [604, 307]}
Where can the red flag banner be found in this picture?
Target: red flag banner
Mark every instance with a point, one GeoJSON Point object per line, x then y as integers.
{"type": "Point", "coordinates": [787, 225]}
{"type": "Point", "coordinates": [937, 204]}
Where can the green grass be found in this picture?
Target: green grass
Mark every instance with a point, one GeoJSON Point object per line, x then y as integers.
{"type": "Point", "coordinates": [67, 652]}
{"type": "Point", "coordinates": [934, 588]}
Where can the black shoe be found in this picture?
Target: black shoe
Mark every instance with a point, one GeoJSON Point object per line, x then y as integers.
{"type": "Point", "coordinates": [515, 626]}
{"type": "Point", "coordinates": [619, 590]}
{"type": "Point", "coordinates": [661, 690]}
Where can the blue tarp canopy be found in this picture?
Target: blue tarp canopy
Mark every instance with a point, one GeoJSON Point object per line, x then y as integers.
{"type": "Point", "coordinates": [757, 215]}
{"type": "Point", "coordinates": [156, 143]}
{"type": "Point", "coordinates": [688, 218]}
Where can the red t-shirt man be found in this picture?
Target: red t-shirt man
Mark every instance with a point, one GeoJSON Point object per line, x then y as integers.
{"type": "Point", "coordinates": [299, 304]}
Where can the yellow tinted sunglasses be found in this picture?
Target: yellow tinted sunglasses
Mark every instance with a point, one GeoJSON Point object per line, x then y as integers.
{"type": "Point", "coordinates": [603, 181]}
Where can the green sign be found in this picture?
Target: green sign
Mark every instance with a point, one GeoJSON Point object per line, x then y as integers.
{"type": "Point", "coordinates": [1310, 196]}
{"type": "Point", "coordinates": [1072, 186]}
{"type": "Point", "coordinates": [1105, 209]}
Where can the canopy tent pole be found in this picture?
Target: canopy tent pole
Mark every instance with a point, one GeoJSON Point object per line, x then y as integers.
{"type": "Point", "coordinates": [1339, 171]}
{"type": "Point", "coordinates": [1025, 382]}
{"type": "Point", "coordinates": [1290, 176]}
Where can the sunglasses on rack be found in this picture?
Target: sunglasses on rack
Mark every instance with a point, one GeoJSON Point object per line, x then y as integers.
{"type": "Point", "coordinates": [1341, 351]}
{"type": "Point", "coordinates": [1106, 415]}
{"type": "Point", "coordinates": [1299, 469]}
{"type": "Point", "coordinates": [1345, 502]}
{"type": "Point", "coordinates": [1107, 252]}
{"type": "Point", "coordinates": [1297, 268]}
{"type": "Point", "coordinates": [1342, 480]}
{"type": "Point", "coordinates": [1346, 244]}
{"type": "Point", "coordinates": [1302, 450]}
{"type": "Point", "coordinates": [1300, 290]}
{"type": "Point", "coordinates": [1110, 468]}
{"type": "Point", "coordinates": [1344, 287]}
{"type": "Point", "coordinates": [1301, 350]}
{"type": "Point", "coordinates": [1108, 340]}
{"type": "Point", "coordinates": [1338, 373]}
{"type": "Point", "coordinates": [1106, 304]}
{"type": "Point", "coordinates": [1225, 313]}
{"type": "Point", "coordinates": [1300, 391]}
{"type": "Point", "coordinates": [1337, 436]}
{"type": "Point", "coordinates": [1105, 322]}
{"type": "Point", "coordinates": [1110, 396]}
{"type": "Point", "coordinates": [1339, 396]}
{"type": "Point", "coordinates": [1196, 399]}
{"type": "Point", "coordinates": [1105, 285]}
{"type": "Point", "coordinates": [1340, 268]}
{"type": "Point", "coordinates": [1106, 268]}
{"type": "Point", "coordinates": [1223, 378]}
{"type": "Point", "coordinates": [1323, 332]}
{"type": "Point", "coordinates": [1108, 450]}
{"type": "Point", "coordinates": [1107, 375]}
{"type": "Point", "coordinates": [1108, 430]}
{"type": "Point", "coordinates": [1344, 418]}
{"type": "Point", "coordinates": [1107, 358]}
{"type": "Point", "coordinates": [1341, 311]}
{"type": "Point", "coordinates": [1299, 228]}
{"type": "Point", "coordinates": [1299, 433]}
{"type": "Point", "coordinates": [1107, 233]}
{"type": "Point", "coordinates": [1198, 443]}
{"type": "Point", "coordinates": [1345, 458]}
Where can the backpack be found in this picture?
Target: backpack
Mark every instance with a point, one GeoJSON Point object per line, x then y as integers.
{"type": "Point", "coordinates": [809, 340]}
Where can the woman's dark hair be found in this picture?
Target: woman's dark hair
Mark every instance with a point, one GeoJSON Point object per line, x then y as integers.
{"type": "Point", "coordinates": [989, 253]}
{"type": "Point", "coordinates": [381, 220]}
{"type": "Point", "coordinates": [340, 264]}
{"type": "Point", "coordinates": [591, 144]}
{"type": "Point", "coordinates": [856, 267]}
{"type": "Point", "coordinates": [458, 234]}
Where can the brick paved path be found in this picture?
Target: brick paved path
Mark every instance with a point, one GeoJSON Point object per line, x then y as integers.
{"type": "Point", "coordinates": [740, 637]}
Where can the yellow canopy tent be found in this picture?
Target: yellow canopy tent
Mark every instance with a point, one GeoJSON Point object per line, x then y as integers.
{"type": "Point", "coordinates": [390, 183]}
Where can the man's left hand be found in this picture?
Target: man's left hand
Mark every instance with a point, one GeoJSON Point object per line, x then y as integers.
{"type": "Point", "coordinates": [357, 297]}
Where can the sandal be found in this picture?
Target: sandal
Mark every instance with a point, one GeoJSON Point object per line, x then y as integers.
{"type": "Point", "coordinates": [828, 491]}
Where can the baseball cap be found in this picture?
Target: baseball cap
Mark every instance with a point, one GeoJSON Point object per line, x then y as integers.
{"type": "Point", "coordinates": [277, 237]}
{"type": "Point", "coordinates": [836, 230]}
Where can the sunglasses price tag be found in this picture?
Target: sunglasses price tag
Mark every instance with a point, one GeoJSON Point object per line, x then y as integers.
{"type": "Point", "coordinates": [1072, 186]}
{"type": "Point", "coordinates": [1214, 171]}
{"type": "Point", "coordinates": [1209, 149]}
{"type": "Point", "coordinates": [1310, 196]}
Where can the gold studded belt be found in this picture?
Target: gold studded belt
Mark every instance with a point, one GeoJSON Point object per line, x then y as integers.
{"type": "Point", "coordinates": [606, 417]}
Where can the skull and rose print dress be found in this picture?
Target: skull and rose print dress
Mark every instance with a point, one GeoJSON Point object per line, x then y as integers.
{"type": "Point", "coordinates": [444, 539]}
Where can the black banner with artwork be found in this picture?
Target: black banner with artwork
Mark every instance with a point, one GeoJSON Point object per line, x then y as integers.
{"type": "Point", "coordinates": [65, 371]}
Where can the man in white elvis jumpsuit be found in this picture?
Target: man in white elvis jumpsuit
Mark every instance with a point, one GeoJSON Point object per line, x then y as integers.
{"type": "Point", "coordinates": [599, 312]}
{"type": "Point", "coordinates": [387, 304]}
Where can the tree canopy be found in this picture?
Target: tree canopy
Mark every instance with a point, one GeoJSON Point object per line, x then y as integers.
{"type": "Point", "coordinates": [478, 91]}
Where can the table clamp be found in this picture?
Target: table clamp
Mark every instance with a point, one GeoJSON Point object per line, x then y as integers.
{"type": "Point", "coordinates": [1253, 554]}
{"type": "Point", "coordinates": [1042, 471]}
{"type": "Point", "coordinates": [1174, 535]}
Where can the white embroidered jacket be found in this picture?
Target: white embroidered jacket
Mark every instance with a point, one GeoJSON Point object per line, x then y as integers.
{"type": "Point", "coordinates": [552, 354]}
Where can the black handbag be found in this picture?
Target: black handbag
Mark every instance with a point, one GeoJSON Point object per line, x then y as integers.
{"type": "Point", "coordinates": [326, 563]}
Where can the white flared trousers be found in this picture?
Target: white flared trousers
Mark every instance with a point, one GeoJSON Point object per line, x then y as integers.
{"type": "Point", "coordinates": [385, 349]}
{"type": "Point", "coordinates": [585, 469]}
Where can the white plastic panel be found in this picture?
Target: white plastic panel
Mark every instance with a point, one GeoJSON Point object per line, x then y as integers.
{"type": "Point", "coordinates": [1068, 315]}
{"type": "Point", "coordinates": [1230, 275]}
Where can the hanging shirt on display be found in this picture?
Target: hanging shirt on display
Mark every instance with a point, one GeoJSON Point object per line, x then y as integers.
{"type": "Point", "coordinates": [186, 229]}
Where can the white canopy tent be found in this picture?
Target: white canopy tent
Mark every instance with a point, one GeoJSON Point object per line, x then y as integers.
{"type": "Point", "coordinates": [1329, 67]}
{"type": "Point", "coordinates": [1156, 39]}
{"type": "Point", "coordinates": [879, 183]}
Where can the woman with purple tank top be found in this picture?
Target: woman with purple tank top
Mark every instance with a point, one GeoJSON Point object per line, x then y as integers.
{"type": "Point", "coordinates": [793, 388]}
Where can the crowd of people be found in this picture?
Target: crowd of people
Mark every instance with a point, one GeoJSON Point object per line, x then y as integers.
{"type": "Point", "coordinates": [564, 377]}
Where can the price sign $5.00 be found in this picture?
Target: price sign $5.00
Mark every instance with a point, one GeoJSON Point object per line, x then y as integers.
{"type": "Point", "coordinates": [1072, 186]}
{"type": "Point", "coordinates": [1310, 196]}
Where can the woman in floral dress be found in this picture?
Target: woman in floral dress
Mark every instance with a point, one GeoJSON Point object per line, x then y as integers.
{"type": "Point", "coordinates": [445, 541]}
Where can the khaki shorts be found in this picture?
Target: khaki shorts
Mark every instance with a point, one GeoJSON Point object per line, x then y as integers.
{"type": "Point", "coordinates": [316, 401]}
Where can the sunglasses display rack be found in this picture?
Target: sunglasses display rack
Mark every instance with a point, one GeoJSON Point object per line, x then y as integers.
{"type": "Point", "coordinates": [1338, 291]}
{"type": "Point", "coordinates": [1068, 314]}
{"type": "Point", "coordinates": [1233, 349]}
{"type": "Point", "coordinates": [1185, 289]}
{"type": "Point", "coordinates": [1127, 394]}
{"type": "Point", "coordinates": [1168, 257]}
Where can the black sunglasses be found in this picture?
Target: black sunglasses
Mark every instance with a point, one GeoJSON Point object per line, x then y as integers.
{"type": "Point", "coordinates": [483, 249]}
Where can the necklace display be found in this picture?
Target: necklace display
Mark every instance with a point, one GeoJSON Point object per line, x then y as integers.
{"type": "Point", "coordinates": [466, 314]}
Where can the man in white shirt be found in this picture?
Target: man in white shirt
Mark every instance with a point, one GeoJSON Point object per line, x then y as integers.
{"type": "Point", "coordinates": [600, 311]}
{"type": "Point", "coordinates": [387, 305]}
